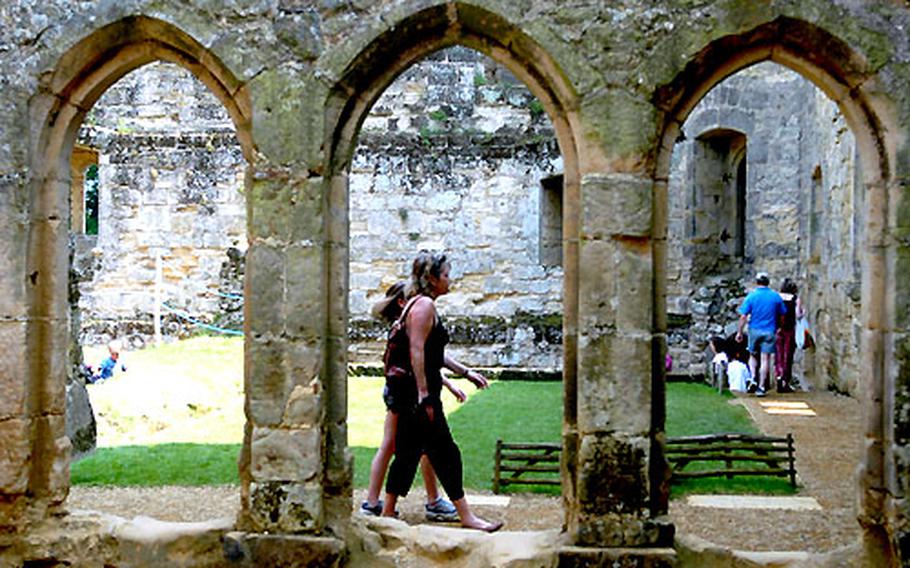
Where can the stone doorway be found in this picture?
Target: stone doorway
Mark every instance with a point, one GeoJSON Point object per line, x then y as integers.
{"type": "Point", "coordinates": [81, 76]}
{"type": "Point", "coordinates": [457, 155]}
{"type": "Point", "coordinates": [788, 44]}
{"type": "Point", "coordinates": [366, 79]}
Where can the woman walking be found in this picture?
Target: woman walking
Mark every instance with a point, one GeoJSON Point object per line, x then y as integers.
{"type": "Point", "coordinates": [422, 429]}
{"type": "Point", "coordinates": [437, 508]}
{"type": "Point", "coordinates": [786, 336]}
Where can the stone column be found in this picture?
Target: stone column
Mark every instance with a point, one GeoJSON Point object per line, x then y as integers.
{"type": "Point", "coordinates": [285, 406]}
{"type": "Point", "coordinates": [47, 342]}
{"type": "Point", "coordinates": [614, 367]}
{"type": "Point", "coordinates": [14, 367]}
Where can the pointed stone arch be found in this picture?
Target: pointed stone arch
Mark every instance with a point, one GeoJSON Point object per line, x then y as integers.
{"type": "Point", "coordinates": [65, 94]}
{"type": "Point", "coordinates": [360, 82]}
{"type": "Point", "coordinates": [850, 82]}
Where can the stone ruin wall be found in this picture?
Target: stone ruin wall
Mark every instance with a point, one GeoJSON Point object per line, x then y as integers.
{"type": "Point", "coordinates": [170, 184]}
{"type": "Point", "coordinates": [451, 157]}
{"type": "Point", "coordinates": [798, 149]}
{"type": "Point", "coordinates": [833, 207]}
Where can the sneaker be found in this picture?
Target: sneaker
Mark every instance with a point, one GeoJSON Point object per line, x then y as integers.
{"type": "Point", "coordinates": [371, 510]}
{"type": "Point", "coordinates": [760, 392]}
{"type": "Point", "coordinates": [751, 387]}
{"type": "Point", "coordinates": [441, 510]}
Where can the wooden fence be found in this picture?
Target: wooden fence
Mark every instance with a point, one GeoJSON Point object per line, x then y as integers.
{"type": "Point", "coordinates": [525, 464]}
{"type": "Point", "coordinates": [740, 454]}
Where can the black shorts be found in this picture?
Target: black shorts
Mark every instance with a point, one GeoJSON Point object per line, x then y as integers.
{"type": "Point", "coordinates": [397, 401]}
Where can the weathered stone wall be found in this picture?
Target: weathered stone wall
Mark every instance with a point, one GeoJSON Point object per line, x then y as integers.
{"type": "Point", "coordinates": [298, 79]}
{"type": "Point", "coordinates": [451, 157]}
{"type": "Point", "coordinates": [832, 228]}
{"type": "Point", "coordinates": [798, 151]}
{"type": "Point", "coordinates": [171, 184]}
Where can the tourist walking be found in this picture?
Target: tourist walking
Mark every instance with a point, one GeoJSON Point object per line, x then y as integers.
{"type": "Point", "coordinates": [761, 309]}
{"type": "Point", "coordinates": [437, 508]}
{"type": "Point", "coordinates": [416, 353]}
{"type": "Point", "coordinates": [786, 336]}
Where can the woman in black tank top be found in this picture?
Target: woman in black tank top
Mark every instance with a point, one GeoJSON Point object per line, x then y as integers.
{"type": "Point", "coordinates": [423, 429]}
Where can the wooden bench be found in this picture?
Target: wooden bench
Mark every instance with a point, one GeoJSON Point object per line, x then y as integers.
{"type": "Point", "coordinates": [518, 461]}
{"type": "Point", "coordinates": [776, 455]}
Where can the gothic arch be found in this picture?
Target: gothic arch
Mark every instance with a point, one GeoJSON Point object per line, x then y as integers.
{"type": "Point", "coordinates": [79, 77]}
{"type": "Point", "coordinates": [846, 78]}
{"type": "Point", "coordinates": [363, 80]}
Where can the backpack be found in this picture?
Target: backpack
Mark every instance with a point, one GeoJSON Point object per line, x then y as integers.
{"type": "Point", "coordinates": [400, 384]}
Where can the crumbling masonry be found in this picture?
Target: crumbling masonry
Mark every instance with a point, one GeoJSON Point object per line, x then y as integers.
{"type": "Point", "coordinates": [297, 79]}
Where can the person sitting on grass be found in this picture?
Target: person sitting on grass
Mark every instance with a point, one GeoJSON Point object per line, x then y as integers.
{"type": "Point", "coordinates": [108, 366]}
{"type": "Point", "coordinates": [437, 508]}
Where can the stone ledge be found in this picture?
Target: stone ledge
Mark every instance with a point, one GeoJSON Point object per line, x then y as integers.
{"type": "Point", "coordinates": [283, 550]}
{"type": "Point", "coordinates": [590, 557]}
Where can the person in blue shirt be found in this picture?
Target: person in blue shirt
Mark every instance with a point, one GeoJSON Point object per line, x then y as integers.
{"type": "Point", "coordinates": [109, 365]}
{"type": "Point", "coordinates": [761, 308]}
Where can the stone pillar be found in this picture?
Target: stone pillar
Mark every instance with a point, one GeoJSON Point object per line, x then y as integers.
{"type": "Point", "coordinates": [885, 472]}
{"type": "Point", "coordinates": [285, 463]}
{"type": "Point", "coordinates": [613, 507]}
{"type": "Point", "coordinates": [13, 357]}
{"type": "Point", "coordinates": [47, 343]}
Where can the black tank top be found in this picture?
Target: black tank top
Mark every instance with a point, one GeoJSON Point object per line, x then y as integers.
{"type": "Point", "coordinates": [434, 356]}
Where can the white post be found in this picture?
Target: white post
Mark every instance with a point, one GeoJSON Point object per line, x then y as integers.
{"type": "Point", "coordinates": [158, 297]}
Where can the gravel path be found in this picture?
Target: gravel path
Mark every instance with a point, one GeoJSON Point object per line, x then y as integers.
{"type": "Point", "coordinates": [828, 449]}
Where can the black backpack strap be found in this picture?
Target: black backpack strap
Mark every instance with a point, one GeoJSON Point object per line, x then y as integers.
{"type": "Point", "coordinates": [404, 313]}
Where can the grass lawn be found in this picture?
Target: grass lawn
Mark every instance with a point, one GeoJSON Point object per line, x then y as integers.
{"type": "Point", "coordinates": [175, 418]}
{"type": "Point", "coordinates": [694, 409]}
{"type": "Point", "coordinates": [161, 464]}
{"type": "Point", "coordinates": [512, 411]}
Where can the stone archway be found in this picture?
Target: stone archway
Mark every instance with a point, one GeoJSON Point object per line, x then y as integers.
{"type": "Point", "coordinates": [845, 78]}
{"type": "Point", "coordinates": [79, 78]}
{"type": "Point", "coordinates": [361, 82]}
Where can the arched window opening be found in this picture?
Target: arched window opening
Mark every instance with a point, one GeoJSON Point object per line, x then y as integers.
{"type": "Point", "coordinates": [457, 155]}
{"type": "Point", "coordinates": [770, 183]}
{"type": "Point", "coordinates": [157, 291]}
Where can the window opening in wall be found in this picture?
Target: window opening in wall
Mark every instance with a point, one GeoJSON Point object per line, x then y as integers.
{"type": "Point", "coordinates": [739, 246]}
{"type": "Point", "coordinates": [769, 183]}
{"type": "Point", "coordinates": [83, 190]}
{"type": "Point", "coordinates": [816, 210]}
{"type": "Point", "coordinates": [720, 198]}
{"type": "Point", "coordinates": [551, 221]}
{"type": "Point", "coordinates": [91, 200]}
{"type": "Point", "coordinates": [451, 158]}
{"type": "Point", "coordinates": [157, 298]}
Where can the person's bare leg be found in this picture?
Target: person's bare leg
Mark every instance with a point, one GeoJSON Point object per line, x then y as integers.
{"type": "Point", "coordinates": [753, 368]}
{"type": "Point", "coordinates": [388, 507]}
{"type": "Point", "coordinates": [766, 370]}
{"type": "Point", "coordinates": [472, 521]}
{"type": "Point", "coordinates": [429, 479]}
{"type": "Point", "coordinates": [382, 458]}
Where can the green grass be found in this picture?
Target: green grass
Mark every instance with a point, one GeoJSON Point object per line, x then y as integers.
{"type": "Point", "coordinates": [695, 409]}
{"type": "Point", "coordinates": [513, 411]}
{"type": "Point", "coordinates": [164, 464]}
{"type": "Point", "coordinates": [175, 418]}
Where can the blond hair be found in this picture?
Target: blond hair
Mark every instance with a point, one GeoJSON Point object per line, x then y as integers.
{"type": "Point", "coordinates": [426, 264]}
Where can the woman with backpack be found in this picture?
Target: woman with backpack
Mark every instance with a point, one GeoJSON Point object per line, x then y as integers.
{"type": "Point", "coordinates": [415, 356]}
